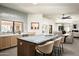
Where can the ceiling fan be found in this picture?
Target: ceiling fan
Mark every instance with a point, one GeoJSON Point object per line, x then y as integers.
{"type": "Point", "coordinates": [65, 17]}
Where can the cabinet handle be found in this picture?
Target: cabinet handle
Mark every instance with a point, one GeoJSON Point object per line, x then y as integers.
{"type": "Point", "coordinates": [21, 43]}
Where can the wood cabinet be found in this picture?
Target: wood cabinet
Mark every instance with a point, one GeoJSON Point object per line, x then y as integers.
{"type": "Point", "coordinates": [8, 41]}
{"type": "Point", "coordinates": [0, 43]}
{"type": "Point", "coordinates": [13, 40]}
{"type": "Point", "coordinates": [25, 48]}
{"type": "Point", "coordinates": [4, 43]}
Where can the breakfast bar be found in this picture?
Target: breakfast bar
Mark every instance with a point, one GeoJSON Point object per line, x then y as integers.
{"type": "Point", "coordinates": [26, 45]}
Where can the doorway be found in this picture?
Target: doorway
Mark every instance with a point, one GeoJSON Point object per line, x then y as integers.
{"type": "Point", "coordinates": [50, 29]}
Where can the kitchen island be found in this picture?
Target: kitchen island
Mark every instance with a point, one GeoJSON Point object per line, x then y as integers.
{"type": "Point", "coordinates": [26, 45]}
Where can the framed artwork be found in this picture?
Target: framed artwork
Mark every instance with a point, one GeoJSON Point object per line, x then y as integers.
{"type": "Point", "coordinates": [35, 25]}
{"type": "Point", "coordinates": [6, 26]}
{"type": "Point", "coordinates": [18, 27]}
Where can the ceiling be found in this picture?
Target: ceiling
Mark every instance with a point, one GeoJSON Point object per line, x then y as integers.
{"type": "Point", "coordinates": [48, 9]}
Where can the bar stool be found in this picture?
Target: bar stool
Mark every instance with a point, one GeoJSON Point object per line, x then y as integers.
{"type": "Point", "coordinates": [61, 44]}
{"type": "Point", "coordinates": [57, 46]}
{"type": "Point", "coordinates": [45, 49]}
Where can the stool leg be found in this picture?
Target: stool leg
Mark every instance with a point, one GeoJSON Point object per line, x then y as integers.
{"type": "Point", "coordinates": [59, 51]}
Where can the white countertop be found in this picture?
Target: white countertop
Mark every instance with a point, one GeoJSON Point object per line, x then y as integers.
{"type": "Point", "coordinates": [10, 34]}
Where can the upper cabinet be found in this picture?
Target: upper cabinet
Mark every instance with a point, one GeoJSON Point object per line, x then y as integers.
{"type": "Point", "coordinates": [7, 26]}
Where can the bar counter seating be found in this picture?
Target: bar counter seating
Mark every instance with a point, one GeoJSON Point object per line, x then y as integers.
{"type": "Point", "coordinates": [40, 45]}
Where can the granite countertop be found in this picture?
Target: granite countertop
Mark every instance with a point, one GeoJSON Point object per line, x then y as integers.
{"type": "Point", "coordinates": [39, 38]}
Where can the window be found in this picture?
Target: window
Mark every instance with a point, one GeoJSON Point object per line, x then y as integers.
{"type": "Point", "coordinates": [50, 29]}
{"type": "Point", "coordinates": [60, 28]}
{"type": "Point", "coordinates": [7, 26]}
{"type": "Point", "coordinates": [35, 25]}
{"type": "Point", "coordinates": [18, 27]}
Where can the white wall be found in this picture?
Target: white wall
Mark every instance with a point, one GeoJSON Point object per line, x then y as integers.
{"type": "Point", "coordinates": [56, 27]}
{"type": "Point", "coordinates": [68, 23]}
{"type": "Point", "coordinates": [76, 20]}
{"type": "Point", "coordinates": [49, 22]}
{"type": "Point", "coordinates": [38, 18]}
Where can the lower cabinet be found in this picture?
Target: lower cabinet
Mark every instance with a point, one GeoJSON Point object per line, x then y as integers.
{"type": "Point", "coordinates": [13, 41]}
{"type": "Point", "coordinates": [4, 43]}
{"type": "Point", "coordinates": [25, 48]}
{"type": "Point", "coordinates": [0, 43]}
{"type": "Point", "coordinates": [7, 42]}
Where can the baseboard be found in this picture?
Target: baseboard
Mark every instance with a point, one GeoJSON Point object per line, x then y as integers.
{"type": "Point", "coordinates": [76, 37]}
{"type": "Point", "coordinates": [7, 48]}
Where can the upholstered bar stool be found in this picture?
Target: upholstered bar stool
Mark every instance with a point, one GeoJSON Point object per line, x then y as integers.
{"type": "Point", "coordinates": [45, 49]}
{"type": "Point", "coordinates": [61, 44]}
{"type": "Point", "coordinates": [57, 46]}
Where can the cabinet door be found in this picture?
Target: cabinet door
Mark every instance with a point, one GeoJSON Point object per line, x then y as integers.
{"type": "Point", "coordinates": [0, 43]}
{"type": "Point", "coordinates": [13, 40]}
{"type": "Point", "coordinates": [29, 49]}
{"type": "Point", "coordinates": [20, 49]}
{"type": "Point", "coordinates": [8, 42]}
{"type": "Point", "coordinates": [4, 43]}
{"type": "Point", "coordinates": [25, 49]}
